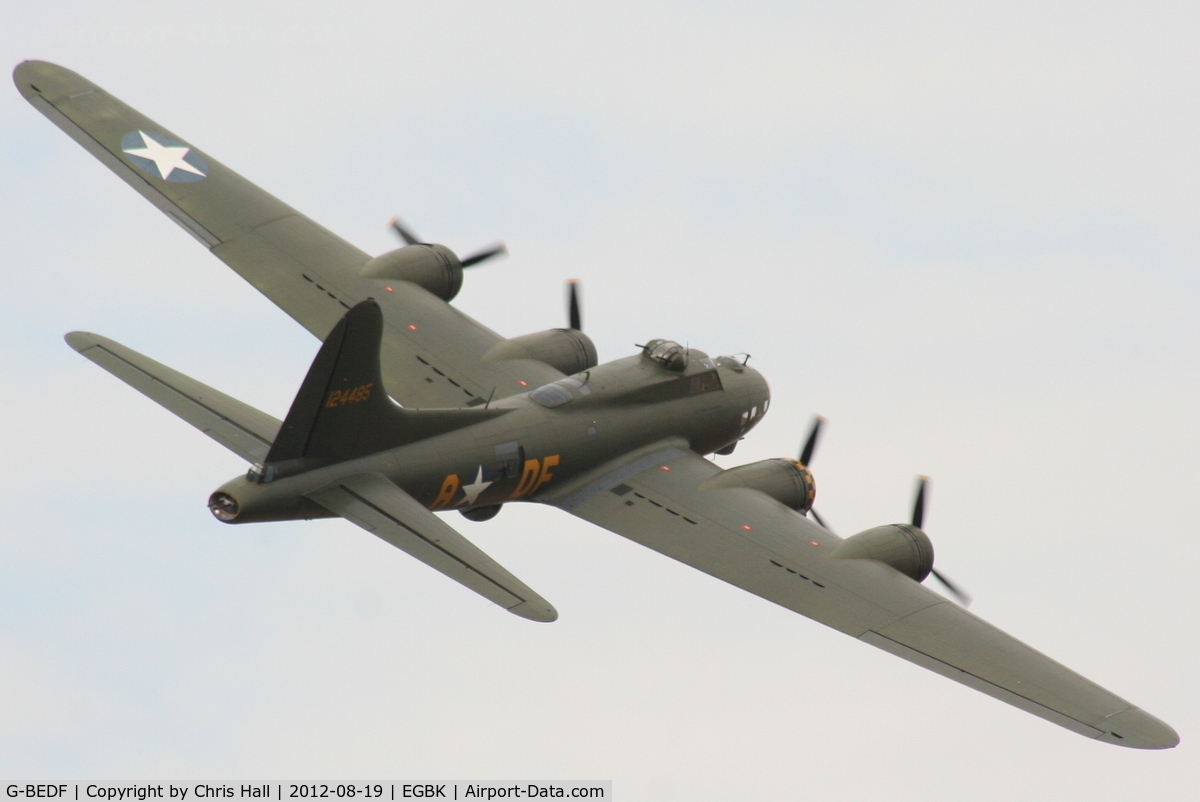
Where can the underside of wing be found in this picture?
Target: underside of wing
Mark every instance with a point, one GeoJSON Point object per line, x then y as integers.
{"type": "Point", "coordinates": [433, 353]}
{"type": "Point", "coordinates": [655, 497]}
{"type": "Point", "coordinates": [383, 509]}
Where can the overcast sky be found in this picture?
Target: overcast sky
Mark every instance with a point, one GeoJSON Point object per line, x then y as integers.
{"type": "Point", "coordinates": [964, 233]}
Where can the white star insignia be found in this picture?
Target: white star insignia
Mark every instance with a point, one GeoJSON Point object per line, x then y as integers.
{"type": "Point", "coordinates": [473, 490]}
{"type": "Point", "coordinates": [167, 158]}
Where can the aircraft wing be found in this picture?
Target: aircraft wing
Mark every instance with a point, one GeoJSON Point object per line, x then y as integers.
{"type": "Point", "coordinates": [238, 426]}
{"type": "Point", "coordinates": [654, 497]}
{"type": "Point", "coordinates": [432, 353]}
{"type": "Point", "coordinates": [383, 509]}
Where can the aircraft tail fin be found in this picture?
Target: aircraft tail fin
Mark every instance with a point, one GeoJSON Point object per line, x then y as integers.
{"type": "Point", "coordinates": [342, 411]}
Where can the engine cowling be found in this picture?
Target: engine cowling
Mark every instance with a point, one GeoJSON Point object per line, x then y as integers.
{"type": "Point", "coordinates": [902, 546]}
{"type": "Point", "coordinates": [568, 351]}
{"type": "Point", "coordinates": [785, 480]}
{"type": "Point", "coordinates": [433, 267]}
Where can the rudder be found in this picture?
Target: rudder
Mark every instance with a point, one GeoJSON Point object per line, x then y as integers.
{"type": "Point", "coordinates": [342, 410]}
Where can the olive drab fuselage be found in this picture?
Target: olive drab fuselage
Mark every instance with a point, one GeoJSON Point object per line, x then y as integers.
{"type": "Point", "coordinates": [613, 409]}
{"type": "Point", "coordinates": [548, 436]}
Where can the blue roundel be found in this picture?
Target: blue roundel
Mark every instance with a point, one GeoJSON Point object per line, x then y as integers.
{"type": "Point", "coordinates": [163, 157]}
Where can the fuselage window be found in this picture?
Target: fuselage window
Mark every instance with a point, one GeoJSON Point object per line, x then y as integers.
{"type": "Point", "coordinates": [509, 459]}
{"type": "Point", "coordinates": [704, 382]}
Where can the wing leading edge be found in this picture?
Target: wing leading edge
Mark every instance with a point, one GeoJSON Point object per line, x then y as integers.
{"type": "Point", "coordinates": [751, 541]}
{"type": "Point", "coordinates": [433, 353]}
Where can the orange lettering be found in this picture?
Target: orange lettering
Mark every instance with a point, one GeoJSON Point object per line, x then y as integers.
{"type": "Point", "coordinates": [528, 477]}
{"type": "Point", "coordinates": [546, 476]}
{"type": "Point", "coordinates": [342, 397]}
{"type": "Point", "coordinates": [449, 490]}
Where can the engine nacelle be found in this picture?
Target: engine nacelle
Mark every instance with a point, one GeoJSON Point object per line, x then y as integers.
{"type": "Point", "coordinates": [568, 351]}
{"type": "Point", "coordinates": [434, 267]}
{"type": "Point", "coordinates": [241, 501]}
{"type": "Point", "coordinates": [905, 548]}
{"type": "Point", "coordinates": [785, 480]}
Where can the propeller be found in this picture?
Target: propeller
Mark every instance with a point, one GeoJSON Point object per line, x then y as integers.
{"type": "Point", "coordinates": [484, 254]}
{"type": "Point", "coordinates": [806, 455]}
{"type": "Point", "coordinates": [406, 235]}
{"type": "Point", "coordinates": [810, 444]}
{"type": "Point", "coordinates": [824, 526]}
{"type": "Point", "coordinates": [573, 313]}
{"type": "Point", "coordinates": [918, 515]}
{"type": "Point", "coordinates": [918, 518]}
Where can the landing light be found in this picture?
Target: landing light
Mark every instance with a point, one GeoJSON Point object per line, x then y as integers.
{"type": "Point", "coordinates": [411, 327]}
{"type": "Point", "coordinates": [747, 527]}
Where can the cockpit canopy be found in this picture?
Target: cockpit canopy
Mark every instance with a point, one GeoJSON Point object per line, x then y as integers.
{"type": "Point", "coordinates": [670, 354]}
{"type": "Point", "coordinates": [558, 393]}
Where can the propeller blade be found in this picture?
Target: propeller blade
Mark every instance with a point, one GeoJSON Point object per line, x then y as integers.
{"type": "Point", "coordinates": [573, 305]}
{"type": "Point", "coordinates": [406, 235]}
{"type": "Point", "coordinates": [963, 598]}
{"type": "Point", "coordinates": [918, 516]}
{"type": "Point", "coordinates": [485, 254]}
{"type": "Point", "coordinates": [811, 443]}
{"type": "Point", "coordinates": [824, 526]}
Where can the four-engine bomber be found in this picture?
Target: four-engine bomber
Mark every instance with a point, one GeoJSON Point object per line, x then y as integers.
{"type": "Point", "coordinates": [413, 408]}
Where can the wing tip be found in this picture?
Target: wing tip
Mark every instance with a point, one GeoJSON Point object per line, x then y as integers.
{"type": "Point", "coordinates": [1136, 729]}
{"type": "Point", "coordinates": [82, 340]}
{"type": "Point", "coordinates": [538, 610]}
{"type": "Point", "coordinates": [23, 76]}
{"type": "Point", "coordinates": [42, 78]}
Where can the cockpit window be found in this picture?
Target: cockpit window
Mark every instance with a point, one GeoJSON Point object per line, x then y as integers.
{"type": "Point", "coordinates": [551, 395]}
{"type": "Point", "coordinates": [670, 354]}
{"type": "Point", "coordinates": [704, 382]}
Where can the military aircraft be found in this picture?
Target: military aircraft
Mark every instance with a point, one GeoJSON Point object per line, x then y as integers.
{"type": "Point", "coordinates": [412, 407]}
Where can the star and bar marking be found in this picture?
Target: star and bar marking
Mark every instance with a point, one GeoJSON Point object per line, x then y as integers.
{"type": "Point", "coordinates": [163, 157]}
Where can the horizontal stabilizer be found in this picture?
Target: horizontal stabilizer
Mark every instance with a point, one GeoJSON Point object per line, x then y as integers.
{"type": "Point", "coordinates": [239, 427]}
{"type": "Point", "coordinates": [383, 509]}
